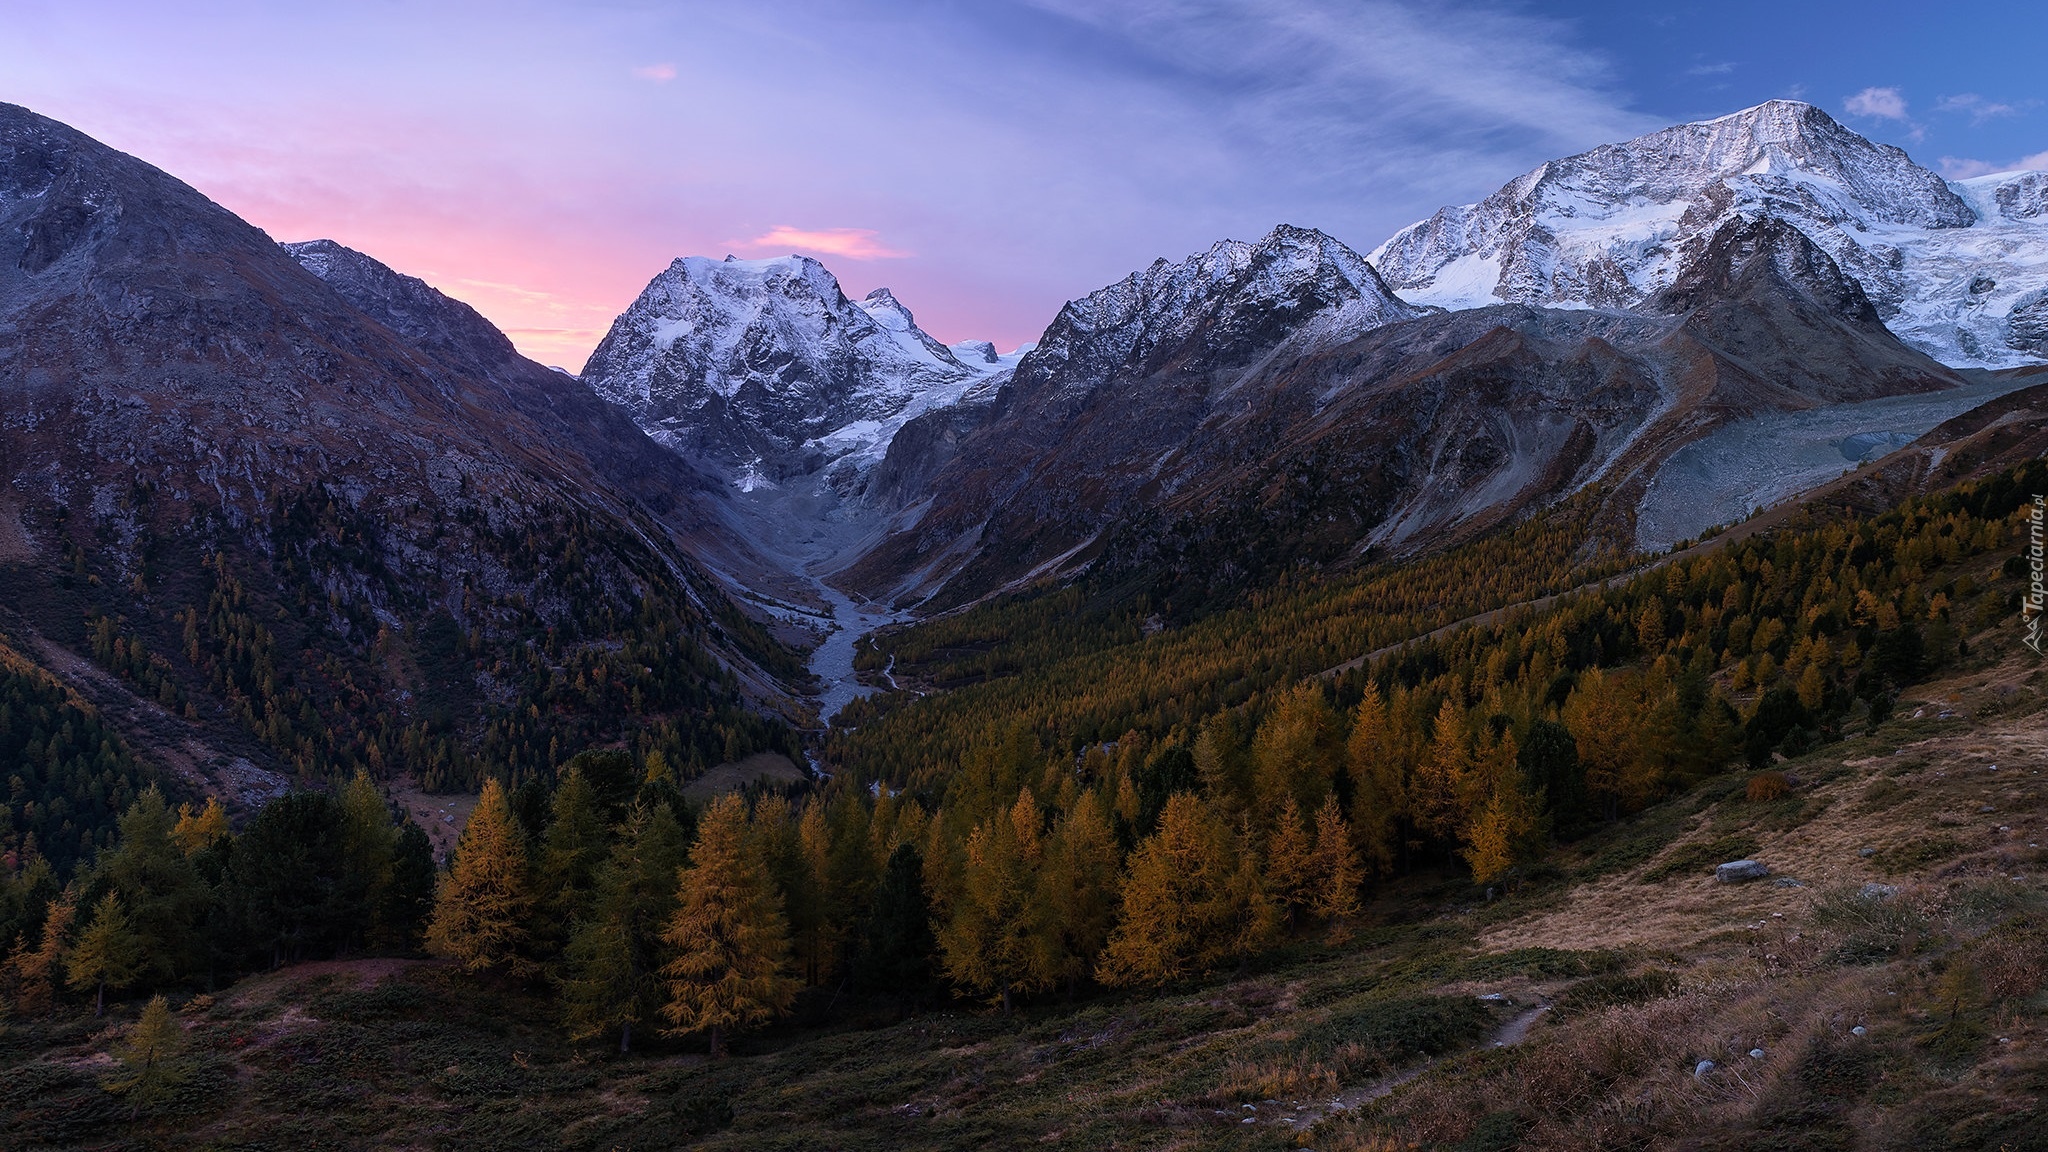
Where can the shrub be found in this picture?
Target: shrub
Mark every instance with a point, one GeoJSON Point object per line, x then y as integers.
{"type": "Point", "coordinates": [1614, 990]}
{"type": "Point", "coordinates": [1768, 786]}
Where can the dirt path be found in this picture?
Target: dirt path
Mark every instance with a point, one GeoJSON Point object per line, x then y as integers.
{"type": "Point", "coordinates": [1299, 1114]}
{"type": "Point", "coordinates": [1491, 615]}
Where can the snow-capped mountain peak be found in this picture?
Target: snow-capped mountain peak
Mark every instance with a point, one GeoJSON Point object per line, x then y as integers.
{"type": "Point", "coordinates": [1315, 286]}
{"type": "Point", "coordinates": [766, 371]}
{"type": "Point", "coordinates": [1611, 227]}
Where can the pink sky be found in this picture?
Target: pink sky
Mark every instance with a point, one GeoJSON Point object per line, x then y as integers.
{"type": "Point", "coordinates": [986, 162]}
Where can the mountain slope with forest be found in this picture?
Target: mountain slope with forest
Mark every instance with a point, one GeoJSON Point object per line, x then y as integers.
{"type": "Point", "coordinates": [313, 544]}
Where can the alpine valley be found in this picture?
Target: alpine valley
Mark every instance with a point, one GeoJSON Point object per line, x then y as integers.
{"type": "Point", "coordinates": [1299, 700]}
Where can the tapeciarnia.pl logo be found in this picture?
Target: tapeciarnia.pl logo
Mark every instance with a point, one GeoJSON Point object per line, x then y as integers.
{"type": "Point", "coordinates": [2037, 559]}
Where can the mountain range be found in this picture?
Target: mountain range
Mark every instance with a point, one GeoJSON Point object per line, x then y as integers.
{"type": "Point", "coordinates": [420, 509]}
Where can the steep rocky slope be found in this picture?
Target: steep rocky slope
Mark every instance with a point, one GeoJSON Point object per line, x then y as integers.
{"type": "Point", "coordinates": [1265, 405]}
{"type": "Point", "coordinates": [317, 522]}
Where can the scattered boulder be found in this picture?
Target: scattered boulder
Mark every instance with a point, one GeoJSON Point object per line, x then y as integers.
{"type": "Point", "coordinates": [1859, 1030]}
{"type": "Point", "coordinates": [1756, 1053]}
{"type": "Point", "coordinates": [1741, 871]}
{"type": "Point", "coordinates": [1878, 891]}
{"type": "Point", "coordinates": [1788, 882]}
{"type": "Point", "coordinates": [1866, 851]}
{"type": "Point", "coordinates": [1700, 1070]}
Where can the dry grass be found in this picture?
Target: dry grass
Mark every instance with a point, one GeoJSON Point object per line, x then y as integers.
{"type": "Point", "coordinates": [1914, 799]}
{"type": "Point", "coordinates": [1281, 1079]}
{"type": "Point", "coordinates": [1944, 968]}
{"type": "Point", "coordinates": [772, 767]}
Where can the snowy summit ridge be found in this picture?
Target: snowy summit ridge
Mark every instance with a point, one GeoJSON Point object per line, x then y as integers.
{"type": "Point", "coordinates": [1957, 270]}
{"type": "Point", "coordinates": [766, 370]}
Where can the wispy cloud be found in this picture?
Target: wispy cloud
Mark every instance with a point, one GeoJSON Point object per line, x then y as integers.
{"type": "Point", "coordinates": [1376, 71]}
{"type": "Point", "coordinates": [1963, 168]}
{"type": "Point", "coordinates": [659, 73]}
{"type": "Point", "coordinates": [1721, 69]}
{"type": "Point", "coordinates": [530, 295]}
{"type": "Point", "coordinates": [1977, 107]}
{"type": "Point", "coordinates": [1878, 103]}
{"type": "Point", "coordinates": [852, 243]}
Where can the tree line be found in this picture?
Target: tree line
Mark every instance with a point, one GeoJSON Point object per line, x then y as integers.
{"type": "Point", "coordinates": [1039, 865]}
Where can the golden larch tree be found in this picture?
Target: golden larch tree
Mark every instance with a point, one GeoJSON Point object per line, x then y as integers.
{"type": "Point", "coordinates": [109, 954]}
{"type": "Point", "coordinates": [483, 907]}
{"type": "Point", "coordinates": [1437, 792]}
{"type": "Point", "coordinates": [1379, 785]}
{"type": "Point", "coordinates": [196, 830]}
{"type": "Point", "coordinates": [1192, 898]}
{"type": "Point", "coordinates": [730, 968]}
{"type": "Point", "coordinates": [1290, 870]}
{"type": "Point", "coordinates": [985, 943]}
{"type": "Point", "coordinates": [1337, 868]}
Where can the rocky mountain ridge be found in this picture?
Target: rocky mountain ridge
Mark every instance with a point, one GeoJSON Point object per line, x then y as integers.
{"type": "Point", "coordinates": [1959, 271]}
{"type": "Point", "coordinates": [324, 530]}
{"type": "Point", "coordinates": [766, 373]}
{"type": "Point", "coordinates": [1266, 405]}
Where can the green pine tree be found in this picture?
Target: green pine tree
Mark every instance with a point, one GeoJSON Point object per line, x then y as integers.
{"type": "Point", "coordinates": [109, 953]}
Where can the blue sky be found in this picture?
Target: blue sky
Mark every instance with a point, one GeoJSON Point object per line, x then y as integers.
{"type": "Point", "coordinates": [987, 159]}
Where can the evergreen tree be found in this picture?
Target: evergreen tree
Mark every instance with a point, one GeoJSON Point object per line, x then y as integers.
{"type": "Point", "coordinates": [845, 874]}
{"type": "Point", "coordinates": [573, 850]}
{"type": "Point", "coordinates": [411, 896]}
{"type": "Point", "coordinates": [151, 1057]}
{"type": "Point", "coordinates": [1073, 903]}
{"type": "Point", "coordinates": [159, 889]}
{"type": "Point", "coordinates": [610, 966]}
{"type": "Point", "coordinates": [1549, 759]}
{"type": "Point", "coordinates": [728, 933]}
{"type": "Point", "coordinates": [900, 946]}
{"type": "Point", "coordinates": [109, 953]}
{"type": "Point", "coordinates": [369, 850]}
{"type": "Point", "coordinates": [288, 879]}
{"type": "Point", "coordinates": [986, 943]}
{"type": "Point", "coordinates": [482, 911]}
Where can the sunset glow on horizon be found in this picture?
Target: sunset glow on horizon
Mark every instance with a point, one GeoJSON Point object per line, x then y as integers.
{"type": "Point", "coordinates": [986, 162]}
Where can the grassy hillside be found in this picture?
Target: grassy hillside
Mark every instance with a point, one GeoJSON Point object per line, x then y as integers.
{"type": "Point", "coordinates": [1542, 957]}
{"type": "Point", "coordinates": [1381, 1036]}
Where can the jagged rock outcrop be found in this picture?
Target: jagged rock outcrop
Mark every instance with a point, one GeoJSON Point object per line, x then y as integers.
{"type": "Point", "coordinates": [765, 373]}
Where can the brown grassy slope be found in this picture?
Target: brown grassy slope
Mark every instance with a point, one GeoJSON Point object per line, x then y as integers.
{"type": "Point", "coordinates": [1942, 968]}
{"type": "Point", "coordinates": [1380, 1039]}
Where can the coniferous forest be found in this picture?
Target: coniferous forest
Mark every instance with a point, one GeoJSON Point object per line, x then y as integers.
{"type": "Point", "coordinates": [1207, 803]}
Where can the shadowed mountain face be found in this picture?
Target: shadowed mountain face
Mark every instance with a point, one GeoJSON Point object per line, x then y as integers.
{"type": "Point", "coordinates": [1256, 431]}
{"type": "Point", "coordinates": [563, 420]}
{"type": "Point", "coordinates": [367, 459]}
